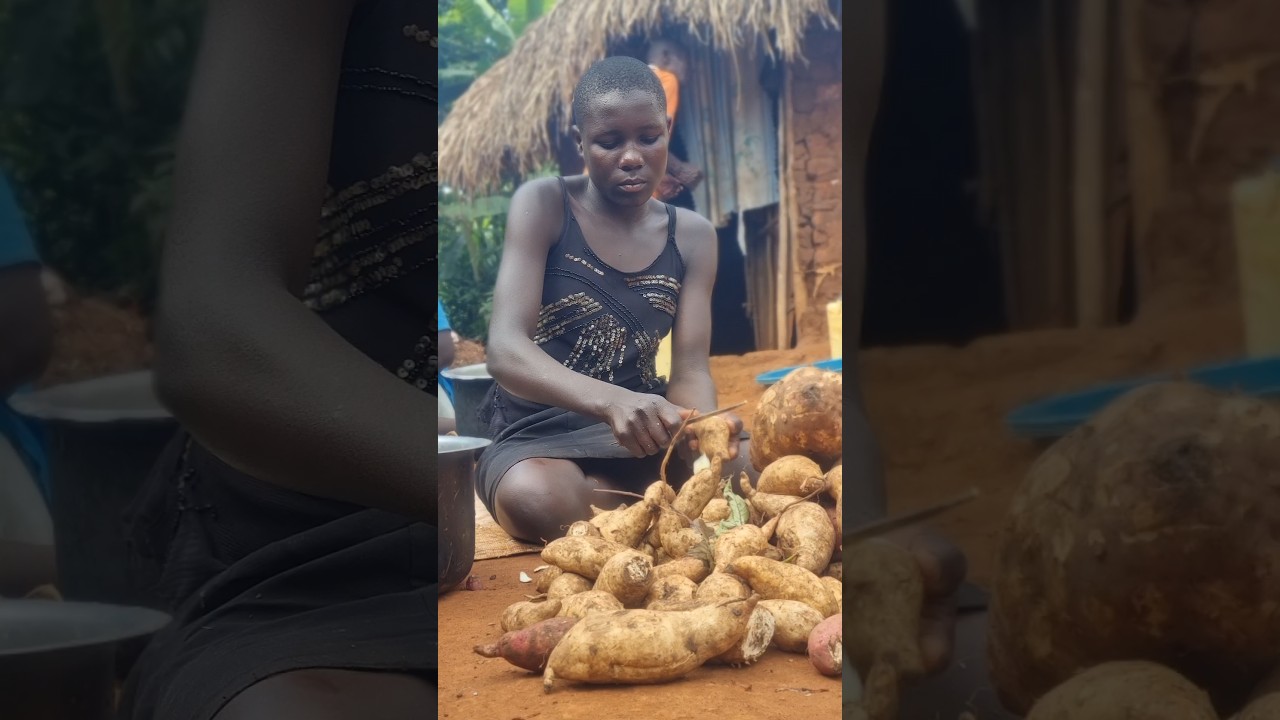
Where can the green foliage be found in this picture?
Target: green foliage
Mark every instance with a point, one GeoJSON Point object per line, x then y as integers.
{"type": "Point", "coordinates": [92, 97]}
{"type": "Point", "coordinates": [474, 34]}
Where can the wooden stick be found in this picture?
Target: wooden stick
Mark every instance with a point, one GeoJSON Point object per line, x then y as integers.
{"type": "Point", "coordinates": [1087, 176]}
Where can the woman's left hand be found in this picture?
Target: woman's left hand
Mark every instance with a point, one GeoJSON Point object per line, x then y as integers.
{"type": "Point", "coordinates": [689, 442]}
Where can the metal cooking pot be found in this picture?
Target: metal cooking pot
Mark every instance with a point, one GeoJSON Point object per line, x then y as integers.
{"type": "Point", "coordinates": [57, 659]}
{"type": "Point", "coordinates": [456, 468]}
{"type": "Point", "coordinates": [470, 384]}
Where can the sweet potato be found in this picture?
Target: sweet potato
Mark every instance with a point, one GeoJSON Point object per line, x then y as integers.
{"type": "Point", "coordinates": [1150, 530]}
{"type": "Point", "coordinates": [675, 605]}
{"type": "Point", "coordinates": [887, 594]}
{"type": "Point", "coordinates": [566, 584]}
{"type": "Point", "coordinates": [522, 614]}
{"type": "Point", "coordinates": [582, 528]}
{"type": "Point", "coordinates": [768, 504]}
{"type": "Point", "coordinates": [802, 414]}
{"type": "Point", "coordinates": [806, 536]}
{"type": "Point", "coordinates": [739, 542]}
{"type": "Point", "coordinates": [721, 586]}
{"type": "Point", "coordinates": [528, 648]}
{"type": "Point", "coordinates": [826, 651]}
{"type": "Point", "coordinates": [794, 475]}
{"type": "Point", "coordinates": [586, 603]}
{"type": "Point", "coordinates": [1264, 703]}
{"type": "Point", "coordinates": [697, 491]}
{"type": "Point", "coordinates": [774, 580]}
{"type": "Point", "coordinates": [717, 509]}
{"type": "Point", "coordinates": [626, 576]}
{"type": "Point", "coordinates": [693, 568]}
{"type": "Point", "coordinates": [837, 591]}
{"type": "Point", "coordinates": [713, 437]}
{"type": "Point", "coordinates": [645, 646]}
{"type": "Point", "coordinates": [755, 641]}
{"type": "Point", "coordinates": [678, 543]}
{"type": "Point", "coordinates": [1125, 690]}
{"type": "Point", "coordinates": [671, 587]}
{"type": "Point", "coordinates": [835, 484]}
{"type": "Point", "coordinates": [628, 525]}
{"type": "Point", "coordinates": [544, 576]}
{"type": "Point", "coordinates": [793, 622]}
{"type": "Point", "coordinates": [582, 555]}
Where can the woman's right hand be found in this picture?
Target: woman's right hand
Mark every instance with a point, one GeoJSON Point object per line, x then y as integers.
{"type": "Point", "coordinates": [644, 423]}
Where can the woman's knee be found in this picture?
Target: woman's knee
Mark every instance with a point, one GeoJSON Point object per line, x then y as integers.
{"type": "Point", "coordinates": [330, 694]}
{"type": "Point", "coordinates": [538, 498]}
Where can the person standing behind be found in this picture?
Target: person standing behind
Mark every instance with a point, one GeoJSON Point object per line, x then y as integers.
{"type": "Point", "coordinates": [26, 333]}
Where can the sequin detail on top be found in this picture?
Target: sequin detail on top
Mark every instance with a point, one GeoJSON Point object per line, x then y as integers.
{"type": "Point", "coordinates": [413, 32]}
{"type": "Point", "coordinates": [602, 322]}
{"type": "Point", "coordinates": [421, 369]}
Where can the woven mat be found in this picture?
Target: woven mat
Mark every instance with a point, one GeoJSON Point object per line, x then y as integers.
{"type": "Point", "coordinates": [494, 542]}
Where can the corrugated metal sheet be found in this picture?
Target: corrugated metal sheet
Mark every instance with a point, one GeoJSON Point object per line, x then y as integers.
{"type": "Point", "coordinates": [726, 121]}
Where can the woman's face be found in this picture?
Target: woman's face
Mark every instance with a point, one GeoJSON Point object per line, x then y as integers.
{"type": "Point", "coordinates": [623, 140]}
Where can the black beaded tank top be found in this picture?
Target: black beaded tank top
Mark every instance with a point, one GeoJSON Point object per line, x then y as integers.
{"type": "Point", "coordinates": [373, 271]}
{"type": "Point", "coordinates": [599, 321]}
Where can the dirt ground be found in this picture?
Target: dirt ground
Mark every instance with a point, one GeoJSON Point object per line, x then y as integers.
{"type": "Point", "coordinates": [938, 414]}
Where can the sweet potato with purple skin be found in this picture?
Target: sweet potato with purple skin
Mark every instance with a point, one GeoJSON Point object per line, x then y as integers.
{"type": "Point", "coordinates": [802, 414]}
{"type": "Point", "coordinates": [522, 614]}
{"type": "Point", "coordinates": [826, 651]}
{"type": "Point", "coordinates": [1148, 532]}
{"type": "Point", "coordinates": [528, 648]}
{"type": "Point", "coordinates": [1125, 690]}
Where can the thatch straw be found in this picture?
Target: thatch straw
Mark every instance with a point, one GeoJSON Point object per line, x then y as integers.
{"type": "Point", "coordinates": [501, 121]}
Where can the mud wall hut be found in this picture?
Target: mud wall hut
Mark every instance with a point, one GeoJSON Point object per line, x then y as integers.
{"type": "Point", "coordinates": [761, 115]}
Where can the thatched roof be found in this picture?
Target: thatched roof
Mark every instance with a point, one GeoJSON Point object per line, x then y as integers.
{"type": "Point", "coordinates": [505, 112]}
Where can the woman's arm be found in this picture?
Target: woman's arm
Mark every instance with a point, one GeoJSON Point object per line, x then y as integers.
{"type": "Point", "coordinates": [691, 385]}
{"type": "Point", "coordinates": [639, 421]}
{"type": "Point", "coordinates": [253, 374]}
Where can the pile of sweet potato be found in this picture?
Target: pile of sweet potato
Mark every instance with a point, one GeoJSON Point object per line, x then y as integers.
{"type": "Point", "coordinates": [679, 578]}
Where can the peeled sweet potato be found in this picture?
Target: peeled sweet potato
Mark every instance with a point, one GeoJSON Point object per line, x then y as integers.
{"type": "Point", "coordinates": [1125, 690]}
{"type": "Point", "coordinates": [646, 646]}
{"type": "Point", "coordinates": [755, 641]}
{"type": "Point", "coordinates": [886, 589]}
{"type": "Point", "coordinates": [805, 535]}
{"type": "Point", "coordinates": [582, 555]}
{"type": "Point", "coordinates": [626, 576]}
{"type": "Point", "coordinates": [1150, 531]}
{"type": "Point", "coordinates": [793, 475]}
{"type": "Point", "coordinates": [522, 614]}
{"type": "Point", "coordinates": [670, 587]}
{"type": "Point", "coordinates": [793, 623]}
{"type": "Point", "coordinates": [826, 651]}
{"type": "Point", "coordinates": [586, 603]}
{"type": "Point", "coordinates": [582, 528]}
{"type": "Point", "coordinates": [566, 584]}
{"type": "Point", "coordinates": [802, 414]}
{"type": "Point", "coordinates": [529, 647]}
{"type": "Point", "coordinates": [774, 580]}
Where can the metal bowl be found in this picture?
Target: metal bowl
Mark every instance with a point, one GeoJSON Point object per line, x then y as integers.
{"type": "Point", "coordinates": [57, 659]}
{"type": "Point", "coordinates": [456, 467]}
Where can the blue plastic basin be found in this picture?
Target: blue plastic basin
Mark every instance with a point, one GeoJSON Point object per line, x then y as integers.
{"type": "Point", "coordinates": [774, 376]}
{"type": "Point", "coordinates": [1058, 415]}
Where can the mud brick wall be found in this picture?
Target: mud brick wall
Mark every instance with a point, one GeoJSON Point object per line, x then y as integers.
{"type": "Point", "coordinates": [816, 173]}
{"type": "Point", "coordinates": [1189, 252]}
